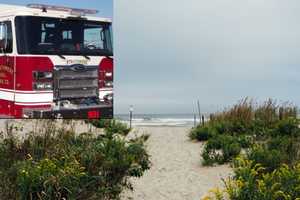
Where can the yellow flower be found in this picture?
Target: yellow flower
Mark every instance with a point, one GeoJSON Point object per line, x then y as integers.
{"type": "Point", "coordinates": [29, 157]}
{"type": "Point", "coordinates": [280, 194]}
{"type": "Point", "coordinates": [82, 173]}
{"type": "Point", "coordinates": [217, 192]}
{"type": "Point", "coordinates": [76, 162]}
{"type": "Point", "coordinates": [206, 198]}
{"type": "Point", "coordinates": [24, 172]}
{"type": "Point", "coordinates": [214, 190]}
{"type": "Point", "coordinates": [239, 183]}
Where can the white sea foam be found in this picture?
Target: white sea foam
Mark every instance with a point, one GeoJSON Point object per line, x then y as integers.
{"type": "Point", "coordinates": [160, 120]}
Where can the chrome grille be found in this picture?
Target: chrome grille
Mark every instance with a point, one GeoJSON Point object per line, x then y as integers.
{"type": "Point", "coordinates": [81, 83]}
{"type": "Point", "coordinates": [76, 81]}
{"type": "Point", "coordinates": [71, 74]}
{"type": "Point", "coordinates": [66, 93]}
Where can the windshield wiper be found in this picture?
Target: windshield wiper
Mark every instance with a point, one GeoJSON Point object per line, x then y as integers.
{"type": "Point", "coordinates": [61, 56]}
{"type": "Point", "coordinates": [87, 57]}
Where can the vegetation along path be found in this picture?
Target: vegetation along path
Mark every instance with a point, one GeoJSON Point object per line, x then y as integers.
{"type": "Point", "coordinates": [176, 171]}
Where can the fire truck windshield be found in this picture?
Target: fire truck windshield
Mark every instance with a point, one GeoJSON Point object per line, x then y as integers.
{"type": "Point", "coordinates": [56, 36]}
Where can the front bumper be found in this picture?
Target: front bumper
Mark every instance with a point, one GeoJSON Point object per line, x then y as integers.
{"type": "Point", "coordinates": [103, 112]}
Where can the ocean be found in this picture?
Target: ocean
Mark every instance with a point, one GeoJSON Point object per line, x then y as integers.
{"type": "Point", "coordinates": [159, 119]}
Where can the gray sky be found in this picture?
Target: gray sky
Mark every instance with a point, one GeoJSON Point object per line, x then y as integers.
{"type": "Point", "coordinates": [169, 53]}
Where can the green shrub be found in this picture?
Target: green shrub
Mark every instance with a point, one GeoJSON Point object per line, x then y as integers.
{"type": "Point", "coordinates": [245, 124]}
{"type": "Point", "coordinates": [111, 126]}
{"type": "Point", "coordinates": [238, 128]}
{"type": "Point", "coordinates": [221, 127]}
{"type": "Point", "coordinates": [49, 179]}
{"type": "Point", "coordinates": [270, 134]}
{"type": "Point", "coordinates": [99, 123]}
{"type": "Point", "coordinates": [287, 127]}
{"type": "Point", "coordinates": [193, 134]}
{"type": "Point", "coordinates": [259, 129]}
{"type": "Point", "coordinates": [288, 146]}
{"type": "Point", "coordinates": [245, 141]}
{"type": "Point", "coordinates": [201, 133]}
{"type": "Point", "coordinates": [62, 165]}
{"type": "Point", "coordinates": [118, 127]}
{"type": "Point", "coordinates": [216, 142]}
{"type": "Point", "coordinates": [220, 149]}
{"type": "Point", "coordinates": [211, 156]}
{"type": "Point", "coordinates": [230, 151]}
{"type": "Point", "coordinates": [251, 182]}
{"type": "Point", "coordinates": [249, 118]}
{"type": "Point", "coordinates": [270, 159]}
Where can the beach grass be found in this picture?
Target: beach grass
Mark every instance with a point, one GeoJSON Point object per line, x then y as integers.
{"type": "Point", "coordinates": [261, 141]}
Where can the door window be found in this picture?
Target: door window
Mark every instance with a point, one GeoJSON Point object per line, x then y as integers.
{"type": "Point", "coordinates": [7, 38]}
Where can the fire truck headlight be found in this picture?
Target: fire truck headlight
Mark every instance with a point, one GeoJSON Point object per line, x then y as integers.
{"type": "Point", "coordinates": [108, 97]}
{"type": "Point", "coordinates": [108, 74]}
{"type": "Point", "coordinates": [43, 86]}
{"type": "Point", "coordinates": [42, 75]}
{"type": "Point", "coordinates": [108, 84]}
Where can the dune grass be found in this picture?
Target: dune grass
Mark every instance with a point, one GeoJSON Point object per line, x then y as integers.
{"type": "Point", "coordinates": [269, 167]}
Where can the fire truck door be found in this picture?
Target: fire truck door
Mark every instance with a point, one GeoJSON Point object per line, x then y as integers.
{"type": "Point", "coordinates": [7, 83]}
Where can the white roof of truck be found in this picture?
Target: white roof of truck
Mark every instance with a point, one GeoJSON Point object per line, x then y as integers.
{"type": "Point", "coordinates": [7, 10]}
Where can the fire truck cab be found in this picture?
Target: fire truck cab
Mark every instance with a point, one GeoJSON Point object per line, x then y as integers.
{"type": "Point", "coordinates": [55, 62]}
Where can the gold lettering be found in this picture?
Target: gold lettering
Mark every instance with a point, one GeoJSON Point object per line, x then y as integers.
{"type": "Point", "coordinates": [2, 75]}
{"type": "Point", "coordinates": [4, 82]}
{"type": "Point", "coordinates": [5, 68]}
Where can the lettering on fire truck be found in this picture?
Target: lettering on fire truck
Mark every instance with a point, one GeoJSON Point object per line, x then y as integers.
{"type": "Point", "coordinates": [3, 76]}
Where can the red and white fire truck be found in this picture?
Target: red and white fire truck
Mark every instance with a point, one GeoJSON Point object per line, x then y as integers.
{"type": "Point", "coordinates": [55, 62]}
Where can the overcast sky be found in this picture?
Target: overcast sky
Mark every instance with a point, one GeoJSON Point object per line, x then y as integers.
{"type": "Point", "coordinates": [169, 53]}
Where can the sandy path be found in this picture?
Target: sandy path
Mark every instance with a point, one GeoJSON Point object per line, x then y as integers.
{"type": "Point", "coordinates": [176, 173]}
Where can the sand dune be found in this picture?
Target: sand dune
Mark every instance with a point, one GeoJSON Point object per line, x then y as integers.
{"type": "Point", "coordinates": [176, 172]}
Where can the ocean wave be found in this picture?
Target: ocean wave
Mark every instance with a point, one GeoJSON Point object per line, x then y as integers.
{"type": "Point", "coordinates": [161, 122]}
{"type": "Point", "coordinates": [160, 119]}
{"type": "Point", "coordinates": [158, 123]}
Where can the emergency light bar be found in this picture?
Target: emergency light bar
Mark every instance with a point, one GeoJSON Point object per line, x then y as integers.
{"type": "Point", "coordinates": [72, 11]}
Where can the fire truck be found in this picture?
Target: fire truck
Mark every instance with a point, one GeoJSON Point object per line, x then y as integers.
{"type": "Point", "coordinates": [55, 62]}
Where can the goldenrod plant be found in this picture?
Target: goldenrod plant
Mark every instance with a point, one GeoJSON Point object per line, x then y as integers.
{"type": "Point", "coordinates": [58, 164]}
{"type": "Point", "coordinates": [250, 181]}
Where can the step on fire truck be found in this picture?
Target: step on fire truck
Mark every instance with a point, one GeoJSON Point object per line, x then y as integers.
{"type": "Point", "coordinates": [55, 62]}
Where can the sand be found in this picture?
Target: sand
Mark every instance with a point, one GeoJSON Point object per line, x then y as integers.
{"type": "Point", "coordinates": [176, 172]}
{"type": "Point", "coordinates": [23, 127]}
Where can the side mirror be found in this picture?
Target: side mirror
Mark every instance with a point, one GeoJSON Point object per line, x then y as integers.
{"type": "Point", "coordinates": [3, 36]}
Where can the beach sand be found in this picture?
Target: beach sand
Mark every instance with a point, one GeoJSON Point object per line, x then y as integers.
{"type": "Point", "coordinates": [176, 172]}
